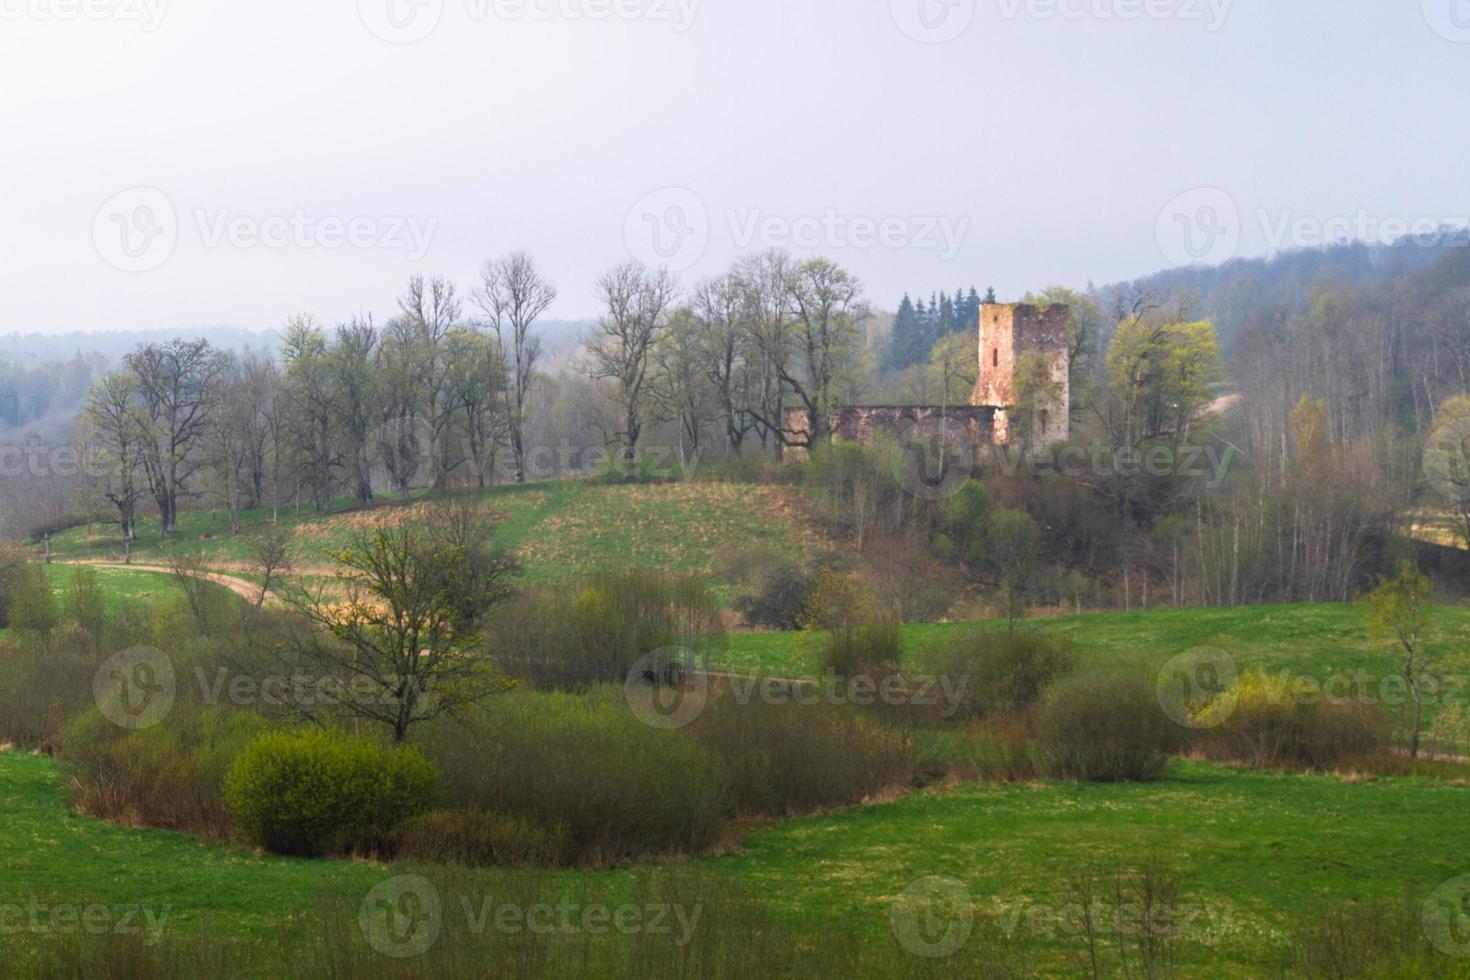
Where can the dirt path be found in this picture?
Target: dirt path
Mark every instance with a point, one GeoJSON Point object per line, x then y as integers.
{"type": "Point", "coordinates": [244, 588]}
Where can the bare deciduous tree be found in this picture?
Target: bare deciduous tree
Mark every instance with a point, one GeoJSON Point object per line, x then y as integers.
{"type": "Point", "coordinates": [635, 303]}
{"type": "Point", "coordinates": [514, 294]}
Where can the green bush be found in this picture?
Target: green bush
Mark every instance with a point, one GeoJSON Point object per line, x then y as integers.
{"type": "Point", "coordinates": [32, 606]}
{"type": "Point", "coordinates": [779, 599]}
{"type": "Point", "coordinates": [863, 651]}
{"type": "Point", "coordinates": [1377, 939]}
{"type": "Point", "coordinates": [12, 560]}
{"type": "Point", "coordinates": [475, 839]}
{"type": "Point", "coordinates": [317, 792]}
{"type": "Point", "coordinates": [1003, 673]}
{"type": "Point", "coordinates": [787, 758]}
{"type": "Point", "coordinates": [1106, 727]}
{"type": "Point", "coordinates": [169, 775]}
{"type": "Point", "coordinates": [84, 604]}
{"type": "Point", "coordinates": [571, 639]}
{"type": "Point", "coordinates": [585, 762]}
{"type": "Point", "coordinates": [44, 680]}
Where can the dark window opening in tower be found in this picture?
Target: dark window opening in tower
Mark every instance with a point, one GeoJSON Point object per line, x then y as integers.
{"type": "Point", "coordinates": [1045, 419]}
{"type": "Point", "coordinates": [995, 357]}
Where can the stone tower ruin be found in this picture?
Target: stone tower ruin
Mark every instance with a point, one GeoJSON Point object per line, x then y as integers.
{"type": "Point", "coordinates": [1008, 332]}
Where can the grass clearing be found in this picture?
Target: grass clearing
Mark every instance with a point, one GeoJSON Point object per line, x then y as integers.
{"type": "Point", "coordinates": [1318, 639]}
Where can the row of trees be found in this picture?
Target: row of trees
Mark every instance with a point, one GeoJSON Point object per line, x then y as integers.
{"type": "Point", "coordinates": [445, 390]}
{"type": "Point", "coordinates": [429, 393]}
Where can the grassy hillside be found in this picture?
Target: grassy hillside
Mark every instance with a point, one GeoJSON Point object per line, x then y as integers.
{"type": "Point", "coordinates": [1323, 838]}
{"type": "Point", "coordinates": [561, 529]}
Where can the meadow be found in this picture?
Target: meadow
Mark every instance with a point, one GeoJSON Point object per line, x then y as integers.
{"type": "Point", "coordinates": [1255, 859]}
{"type": "Point", "coordinates": [1259, 856]}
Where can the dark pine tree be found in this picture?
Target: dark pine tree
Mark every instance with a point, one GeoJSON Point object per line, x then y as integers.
{"type": "Point", "coordinates": [903, 340]}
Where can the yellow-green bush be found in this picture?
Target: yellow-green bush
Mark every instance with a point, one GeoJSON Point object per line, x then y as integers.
{"type": "Point", "coordinates": [318, 792]}
{"type": "Point", "coordinates": [1268, 721]}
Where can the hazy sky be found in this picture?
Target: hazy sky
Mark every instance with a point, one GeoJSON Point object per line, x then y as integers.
{"type": "Point", "coordinates": [169, 163]}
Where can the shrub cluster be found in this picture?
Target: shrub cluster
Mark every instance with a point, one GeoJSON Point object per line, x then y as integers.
{"type": "Point", "coordinates": [170, 775]}
{"type": "Point", "coordinates": [619, 788]}
{"type": "Point", "coordinates": [597, 632]}
{"type": "Point", "coordinates": [1106, 727]}
{"type": "Point", "coordinates": [1005, 672]}
{"type": "Point", "coordinates": [1266, 722]}
{"type": "Point", "coordinates": [786, 758]}
{"type": "Point", "coordinates": [874, 651]}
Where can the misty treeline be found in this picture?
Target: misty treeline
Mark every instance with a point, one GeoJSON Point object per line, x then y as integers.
{"type": "Point", "coordinates": [1341, 364]}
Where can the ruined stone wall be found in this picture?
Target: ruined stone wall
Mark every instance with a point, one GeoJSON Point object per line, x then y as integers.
{"type": "Point", "coordinates": [856, 423]}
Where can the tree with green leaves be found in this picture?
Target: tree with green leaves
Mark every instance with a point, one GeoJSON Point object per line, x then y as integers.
{"type": "Point", "coordinates": [1400, 609]}
{"type": "Point", "coordinates": [1014, 549]}
{"type": "Point", "coordinates": [405, 644]}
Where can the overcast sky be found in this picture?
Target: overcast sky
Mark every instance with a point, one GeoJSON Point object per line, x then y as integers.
{"type": "Point", "coordinates": [170, 164]}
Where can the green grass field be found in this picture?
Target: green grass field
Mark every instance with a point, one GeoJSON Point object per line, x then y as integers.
{"type": "Point", "coordinates": [121, 587]}
{"type": "Point", "coordinates": [1258, 854]}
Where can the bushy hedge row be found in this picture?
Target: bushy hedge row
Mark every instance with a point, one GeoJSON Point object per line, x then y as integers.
{"type": "Point", "coordinates": [597, 632]}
